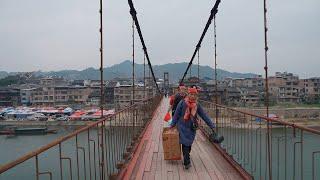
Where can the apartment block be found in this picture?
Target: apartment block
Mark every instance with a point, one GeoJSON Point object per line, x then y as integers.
{"type": "Point", "coordinates": [310, 89]}
{"type": "Point", "coordinates": [284, 87]}
{"type": "Point", "coordinates": [60, 95]}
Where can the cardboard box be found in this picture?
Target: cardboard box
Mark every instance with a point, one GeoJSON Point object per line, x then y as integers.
{"type": "Point", "coordinates": [171, 145]}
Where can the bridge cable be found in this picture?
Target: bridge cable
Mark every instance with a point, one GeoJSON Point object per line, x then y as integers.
{"type": "Point", "coordinates": [213, 12]}
{"type": "Point", "coordinates": [133, 13]}
{"type": "Point", "coordinates": [267, 86]}
{"type": "Point", "coordinates": [101, 88]}
{"type": "Point", "coordinates": [133, 84]}
{"type": "Point", "coordinates": [190, 71]}
{"type": "Point", "coordinates": [101, 61]}
{"type": "Point", "coordinates": [215, 68]}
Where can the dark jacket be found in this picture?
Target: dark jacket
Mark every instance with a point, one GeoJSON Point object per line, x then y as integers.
{"type": "Point", "coordinates": [186, 132]}
{"type": "Point", "coordinates": [177, 98]}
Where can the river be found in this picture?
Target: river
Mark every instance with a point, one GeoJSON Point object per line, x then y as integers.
{"type": "Point", "coordinates": [246, 151]}
{"type": "Point", "coordinates": [13, 147]}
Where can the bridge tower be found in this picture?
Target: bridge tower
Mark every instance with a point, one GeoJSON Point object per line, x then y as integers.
{"type": "Point", "coordinates": [166, 81]}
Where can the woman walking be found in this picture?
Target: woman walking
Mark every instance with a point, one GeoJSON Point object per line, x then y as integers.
{"type": "Point", "coordinates": [185, 117]}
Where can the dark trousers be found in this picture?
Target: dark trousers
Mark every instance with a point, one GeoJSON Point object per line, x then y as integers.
{"type": "Point", "coordinates": [186, 154]}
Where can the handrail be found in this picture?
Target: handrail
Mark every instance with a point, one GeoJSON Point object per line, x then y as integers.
{"type": "Point", "coordinates": [268, 119]}
{"type": "Point", "coordinates": [56, 142]}
{"type": "Point", "coordinates": [292, 155]}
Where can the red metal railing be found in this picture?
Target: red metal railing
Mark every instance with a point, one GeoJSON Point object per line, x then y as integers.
{"type": "Point", "coordinates": [96, 151]}
{"type": "Point", "coordinates": [295, 149]}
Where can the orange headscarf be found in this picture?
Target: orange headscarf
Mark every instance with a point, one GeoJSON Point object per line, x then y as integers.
{"type": "Point", "coordinates": [191, 109]}
{"type": "Point", "coordinates": [191, 105]}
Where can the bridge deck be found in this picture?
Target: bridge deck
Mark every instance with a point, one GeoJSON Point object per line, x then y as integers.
{"type": "Point", "coordinates": [148, 162]}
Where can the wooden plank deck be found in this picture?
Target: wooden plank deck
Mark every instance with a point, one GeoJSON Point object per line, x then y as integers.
{"type": "Point", "coordinates": [207, 162]}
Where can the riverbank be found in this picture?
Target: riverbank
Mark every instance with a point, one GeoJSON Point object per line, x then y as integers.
{"type": "Point", "coordinates": [44, 123]}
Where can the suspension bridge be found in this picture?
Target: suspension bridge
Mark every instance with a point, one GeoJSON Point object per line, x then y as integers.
{"type": "Point", "coordinates": [128, 144]}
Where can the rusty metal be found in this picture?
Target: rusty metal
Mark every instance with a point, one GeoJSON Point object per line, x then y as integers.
{"type": "Point", "coordinates": [84, 161]}
{"type": "Point", "coordinates": [126, 169]}
{"type": "Point", "coordinates": [133, 88]}
{"type": "Point", "coordinates": [294, 159]}
{"type": "Point", "coordinates": [70, 165]}
{"type": "Point", "coordinates": [46, 173]}
{"type": "Point", "coordinates": [213, 12]}
{"type": "Point", "coordinates": [64, 158]}
{"type": "Point", "coordinates": [78, 171]}
{"type": "Point", "coordinates": [313, 164]}
{"type": "Point", "coordinates": [101, 60]}
{"type": "Point", "coordinates": [244, 174]}
{"type": "Point", "coordinates": [96, 142]}
{"type": "Point", "coordinates": [103, 148]}
{"type": "Point", "coordinates": [60, 155]}
{"type": "Point", "coordinates": [133, 13]}
{"type": "Point", "coordinates": [267, 87]}
{"type": "Point", "coordinates": [215, 69]}
{"type": "Point", "coordinates": [41, 173]}
{"type": "Point", "coordinates": [89, 147]}
{"type": "Point", "coordinates": [246, 141]}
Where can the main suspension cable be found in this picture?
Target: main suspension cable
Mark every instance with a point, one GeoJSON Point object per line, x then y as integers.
{"type": "Point", "coordinates": [133, 13]}
{"type": "Point", "coordinates": [199, 65]}
{"type": "Point", "coordinates": [213, 12]}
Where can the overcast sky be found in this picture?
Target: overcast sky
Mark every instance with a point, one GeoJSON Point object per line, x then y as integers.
{"type": "Point", "coordinates": [63, 34]}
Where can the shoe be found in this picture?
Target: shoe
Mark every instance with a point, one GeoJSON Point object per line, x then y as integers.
{"type": "Point", "coordinates": [187, 166]}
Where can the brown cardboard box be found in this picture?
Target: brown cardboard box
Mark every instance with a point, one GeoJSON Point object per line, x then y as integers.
{"type": "Point", "coordinates": [171, 145]}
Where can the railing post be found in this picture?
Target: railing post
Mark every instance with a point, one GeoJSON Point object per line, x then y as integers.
{"type": "Point", "coordinates": [37, 168]}
{"type": "Point", "coordinates": [102, 150]}
{"type": "Point", "coordinates": [60, 161]}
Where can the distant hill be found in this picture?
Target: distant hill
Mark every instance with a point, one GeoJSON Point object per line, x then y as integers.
{"type": "Point", "coordinates": [124, 70]}
{"type": "Point", "coordinates": [3, 74]}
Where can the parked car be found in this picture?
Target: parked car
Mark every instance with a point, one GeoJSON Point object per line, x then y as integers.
{"type": "Point", "coordinates": [37, 117]}
{"type": "Point", "coordinates": [62, 118]}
